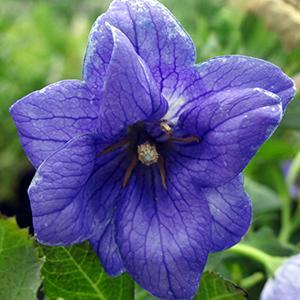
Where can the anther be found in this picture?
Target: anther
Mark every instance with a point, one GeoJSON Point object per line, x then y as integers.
{"type": "Point", "coordinates": [147, 154]}
{"type": "Point", "coordinates": [165, 127]}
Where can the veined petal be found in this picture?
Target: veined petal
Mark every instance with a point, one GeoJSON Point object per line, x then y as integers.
{"type": "Point", "coordinates": [102, 193]}
{"type": "Point", "coordinates": [286, 282]}
{"type": "Point", "coordinates": [163, 236]}
{"type": "Point", "coordinates": [105, 246]}
{"type": "Point", "coordinates": [130, 93]}
{"type": "Point", "coordinates": [231, 212]}
{"type": "Point", "coordinates": [60, 215]}
{"type": "Point", "coordinates": [49, 118]}
{"type": "Point", "coordinates": [155, 34]}
{"type": "Point", "coordinates": [231, 125]}
{"type": "Point", "coordinates": [231, 72]}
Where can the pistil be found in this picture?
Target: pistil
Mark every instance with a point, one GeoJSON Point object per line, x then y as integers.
{"type": "Point", "coordinates": [147, 154]}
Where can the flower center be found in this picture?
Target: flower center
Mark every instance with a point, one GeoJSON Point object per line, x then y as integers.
{"type": "Point", "coordinates": [143, 147]}
{"type": "Point", "coordinates": [147, 154]}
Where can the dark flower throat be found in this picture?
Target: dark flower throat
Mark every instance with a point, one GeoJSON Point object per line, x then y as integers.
{"type": "Point", "coordinates": [146, 144]}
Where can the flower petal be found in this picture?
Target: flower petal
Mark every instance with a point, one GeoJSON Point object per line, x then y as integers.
{"type": "Point", "coordinates": [48, 118]}
{"type": "Point", "coordinates": [102, 194]}
{"type": "Point", "coordinates": [59, 211]}
{"type": "Point", "coordinates": [237, 71]}
{"type": "Point", "coordinates": [231, 211]}
{"type": "Point", "coordinates": [154, 32]}
{"type": "Point", "coordinates": [232, 125]}
{"type": "Point", "coordinates": [163, 236]}
{"type": "Point", "coordinates": [286, 282]}
{"type": "Point", "coordinates": [105, 246]}
{"type": "Point", "coordinates": [130, 92]}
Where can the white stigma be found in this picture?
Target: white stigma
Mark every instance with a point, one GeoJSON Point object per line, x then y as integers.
{"type": "Point", "coordinates": [147, 154]}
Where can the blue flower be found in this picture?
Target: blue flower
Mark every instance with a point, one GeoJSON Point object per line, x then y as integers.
{"type": "Point", "coordinates": [286, 282]}
{"type": "Point", "coordinates": [143, 157]}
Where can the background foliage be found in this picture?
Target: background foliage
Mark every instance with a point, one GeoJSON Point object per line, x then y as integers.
{"type": "Point", "coordinates": [44, 41]}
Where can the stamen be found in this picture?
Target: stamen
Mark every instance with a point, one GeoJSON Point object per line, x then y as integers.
{"type": "Point", "coordinates": [129, 171]}
{"type": "Point", "coordinates": [113, 147]}
{"type": "Point", "coordinates": [188, 139]}
{"type": "Point", "coordinates": [165, 127]}
{"type": "Point", "coordinates": [147, 154]}
{"type": "Point", "coordinates": [162, 170]}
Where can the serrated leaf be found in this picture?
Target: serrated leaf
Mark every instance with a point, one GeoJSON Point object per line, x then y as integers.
{"type": "Point", "coordinates": [214, 287]}
{"type": "Point", "coordinates": [20, 266]}
{"type": "Point", "coordinates": [76, 273]}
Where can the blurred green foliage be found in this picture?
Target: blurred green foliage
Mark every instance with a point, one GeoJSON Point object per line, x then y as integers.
{"type": "Point", "coordinates": [44, 41]}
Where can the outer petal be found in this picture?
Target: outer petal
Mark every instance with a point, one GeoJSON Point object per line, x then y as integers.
{"type": "Point", "coordinates": [231, 72]}
{"type": "Point", "coordinates": [231, 211]}
{"type": "Point", "coordinates": [60, 215]}
{"type": "Point", "coordinates": [102, 194]}
{"type": "Point", "coordinates": [156, 35]}
{"type": "Point", "coordinates": [130, 93]}
{"type": "Point", "coordinates": [286, 284]}
{"type": "Point", "coordinates": [232, 125]}
{"type": "Point", "coordinates": [163, 236]}
{"type": "Point", "coordinates": [48, 118]}
{"type": "Point", "coordinates": [105, 246]}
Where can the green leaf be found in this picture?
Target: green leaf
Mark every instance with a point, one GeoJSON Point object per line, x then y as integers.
{"type": "Point", "coordinates": [212, 287]}
{"type": "Point", "coordinates": [263, 198]}
{"type": "Point", "coordinates": [141, 294]}
{"type": "Point", "coordinates": [215, 287]}
{"type": "Point", "coordinates": [20, 266]}
{"type": "Point", "coordinates": [76, 273]}
{"type": "Point", "coordinates": [265, 240]}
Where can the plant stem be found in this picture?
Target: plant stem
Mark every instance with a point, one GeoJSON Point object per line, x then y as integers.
{"type": "Point", "coordinates": [290, 224]}
{"type": "Point", "coordinates": [252, 280]}
{"type": "Point", "coordinates": [270, 263]}
{"type": "Point", "coordinates": [286, 224]}
{"type": "Point", "coordinates": [293, 171]}
{"type": "Point", "coordinates": [250, 252]}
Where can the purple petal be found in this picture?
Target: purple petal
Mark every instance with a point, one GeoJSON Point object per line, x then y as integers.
{"type": "Point", "coordinates": [60, 215]}
{"type": "Point", "coordinates": [130, 92]}
{"type": "Point", "coordinates": [163, 236]}
{"type": "Point", "coordinates": [231, 211]}
{"type": "Point", "coordinates": [48, 118]}
{"type": "Point", "coordinates": [154, 32]}
{"type": "Point", "coordinates": [236, 71]}
{"type": "Point", "coordinates": [286, 283]}
{"type": "Point", "coordinates": [232, 125]}
{"type": "Point", "coordinates": [102, 194]}
{"type": "Point", "coordinates": [105, 246]}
